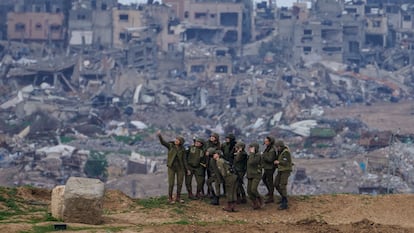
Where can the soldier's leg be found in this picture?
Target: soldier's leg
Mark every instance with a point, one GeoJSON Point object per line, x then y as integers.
{"type": "Point", "coordinates": [188, 180]}
{"type": "Point", "coordinates": [170, 183]}
{"type": "Point", "coordinates": [180, 180]}
{"type": "Point", "coordinates": [217, 184]}
{"type": "Point", "coordinates": [284, 177]}
{"type": "Point", "coordinates": [277, 183]}
{"type": "Point", "coordinates": [199, 177]}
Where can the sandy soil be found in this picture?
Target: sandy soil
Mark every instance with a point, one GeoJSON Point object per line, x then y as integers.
{"type": "Point", "coordinates": [325, 213]}
{"type": "Point", "coordinates": [381, 116]}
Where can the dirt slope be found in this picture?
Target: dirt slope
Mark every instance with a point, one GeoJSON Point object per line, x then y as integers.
{"type": "Point", "coordinates": [324, 213]}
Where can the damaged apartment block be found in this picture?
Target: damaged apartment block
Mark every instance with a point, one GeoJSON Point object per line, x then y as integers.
{"type": "Point", "coordinates": [207, 61]}
{"type": "Point", "coordinates": [213, 22]}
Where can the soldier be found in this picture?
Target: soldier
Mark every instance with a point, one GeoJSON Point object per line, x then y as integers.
{"type": "Point", "coordinates": [240, 166]}
{"type": "Point", "coordinates": [214, 176]}
{"type": "Point", "coordinates": [228, 148]}
{"type": "Point", "coordinates": [194, 158]}
{"type": "Point", "coordinates": [214, 141]}
{"type": "Point", "coordinates": [230, 179]}
{"type": "Point", "coordinates": [269, 157]}
{"type": "Point", "coordinates": [175, 164]}
{"type": "Point", "coordinates": [284, 168]}
{"type": "Point", "coordinates": [254, 174]}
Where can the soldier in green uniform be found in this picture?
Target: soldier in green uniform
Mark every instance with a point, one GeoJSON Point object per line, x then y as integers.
{"type": "Point", "coordinates": [268, 159]}
{"type": "Point", "coordinates": [194, 158]}
{"type": "Point", "coordinates": [240, 166]}
{"type": "Point", "coordinates": [175, 164]}
{"type": "Point", "coordinates": [228, 147]}
{"type": "Point", "coordinates": [230, 180]}
{"type": "Point", "coordinates": [254, 174]}
{"type": "Point", "coordinates": [213, 175]}
{"type": "Point", "coordinates": [284, 168]}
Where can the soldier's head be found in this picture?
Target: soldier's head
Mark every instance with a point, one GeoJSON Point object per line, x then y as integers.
{"type": "Point", "coordinates": [240, 145]}
{"type": "Point", "coordinates": [179, 141]}
{"type": "Point", "coordinates": [269, 140]}
{"type": "Point", "coordinates": [217, 154]}
{"type": "Point", "coordinates": [199, 142]}
{"type": "Point", "coordinates": [214, 137]}
{"type": "Point", "coordinates": [279, 144]}
{"type": "Point", "coordinates": [254, 147]}
{"type": "Point", "coordinates": [230, 137]}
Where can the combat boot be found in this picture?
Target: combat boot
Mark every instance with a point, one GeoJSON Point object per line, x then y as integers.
{"type": "Point", "coordinates": [228, 208]}
{"type": "Point", "coordinates": [255, 205]}
{"type": "Point", "coordinates": [260, 201]}
{"type": "Point", "coordinates": [179, 198]}
{"type": "Point", "coordinates": [171, 199]}
{"type": "Point", "coordinates": [191, 196]}
{"type": "Point", "coordinates": [283, 204]}
{"type": "Point", "coordinates": [233, 207]}
{"type": "Point", "coordinates": [269, 199]}
{"type": "Point", "coordinates": [215, 200]}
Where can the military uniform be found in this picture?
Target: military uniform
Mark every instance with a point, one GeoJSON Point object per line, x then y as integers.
{"type": "Point", "coordinates": [175, 164]}
{"type": "Point", "coordinates": [284, 168]}
{"type": "Point", "coordinates": [269, 156]}
{"type": "Point", "coordinates": [213, 175]}
{"type": "Point", "coordinates": [240, 166]}
{"type": "Point", "coordinates": [230, 179]}
{"type": "Point", "coordinates": [254, 174]}
{"type": "Point", "coordinates": [194, 158]}
{"type": "Point", "coordinates": [228, 148]}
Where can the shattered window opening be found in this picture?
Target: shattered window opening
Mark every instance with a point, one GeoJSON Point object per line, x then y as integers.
{"type": "Point", "coordinates": [199, 15]}
{"type": "Point", "coordinates": [307, 49]}
{"type": "Point", "coordinates": [229, 19]}
{"type": "Point", "coordinates": [221, 69]}
{"type": "Point", "coordinates": [38, 26]}
{"type": "Point", "coordinates": [123, 17]}
{"type": "Point", "coordinates": [55, 27]}
{"type": "Point", "coordinates": [186, 14]}
{"type": "Point", "coordinates": [81, 17]}
{"type": "Point", "coordinates": [307, 32]}
{"type": "Point", "coordinates": [376, 24]}
{"type": "Point", "coordinates": [197, 68]}
{"type": "Point", "coordinates": [407, 18]}
{"type": "Point", "coordinates": [20, 27]}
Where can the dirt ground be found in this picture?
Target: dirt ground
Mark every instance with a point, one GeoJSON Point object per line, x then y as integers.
{"type": "Point", "coordinates": [381, 116]}
{"type": "Point", "coordinates": [325, 213]}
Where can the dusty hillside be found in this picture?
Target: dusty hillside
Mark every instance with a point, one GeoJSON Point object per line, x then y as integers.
{"type": "Point", "coordinates": [26, 210]}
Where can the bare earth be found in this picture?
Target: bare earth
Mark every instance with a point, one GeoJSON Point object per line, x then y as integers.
{"type": "Point", "coordinates": [381, 116]}
{"type": "Point", "coordinates": [315, 214]}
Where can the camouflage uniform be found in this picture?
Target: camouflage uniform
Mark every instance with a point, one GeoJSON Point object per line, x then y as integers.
{"type": "Point", "coordinates": [240, 166]}
{"type": "Point", "coordinates": [193, 162]}
{"type": "Point", "coordinates": [254, 174]}
{"type": "Point", "coordinates": [284, 168]}
{"type": "Point", "coordinates": [268, 158]}
{"type": "Point", "coordinates": [230, 179]}
{"type": "Point", "coordinates": [175, 164]}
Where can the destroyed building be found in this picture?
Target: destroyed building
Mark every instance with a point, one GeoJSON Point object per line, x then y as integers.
{"type": "Point", "coordinates": [37, 20]}
{"type": "Point", "coordinates": [90, 23]}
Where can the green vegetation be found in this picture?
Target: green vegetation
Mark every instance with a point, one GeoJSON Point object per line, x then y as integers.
{"type": "Point", "coordinates": [153, 202]}
{"type": "Point", "coordinates": [129, 140]}
{"type": "Point", "coordinates": [96, 166]}
{"type": "Point", "coordinates": [66, 139]}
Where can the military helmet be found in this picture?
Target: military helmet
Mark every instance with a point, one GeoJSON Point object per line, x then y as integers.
{"type": "Point", "coordinates": [279, 143]}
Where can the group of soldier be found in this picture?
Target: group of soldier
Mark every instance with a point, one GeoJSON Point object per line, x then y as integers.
{"type": "Point", "coordinates": [215, 165]}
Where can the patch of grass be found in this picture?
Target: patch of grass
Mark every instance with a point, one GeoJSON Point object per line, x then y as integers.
{"type": "Point", "coordinates": [303, 198]}
{"type": "Point", "coordinates": [178, 211]}
{"type": "Point", "coordinates": [66, 139]}
{"type": "Point", "coordinates": [183, 222]}
{"type": "Point", "coordinates": [153, 202]}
